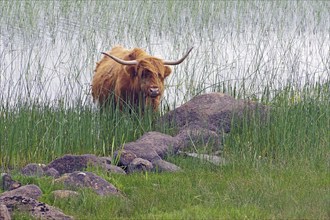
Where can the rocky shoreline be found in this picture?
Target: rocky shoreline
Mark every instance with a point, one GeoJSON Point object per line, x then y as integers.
{"type": "Point", "coordinates": [201, 121]}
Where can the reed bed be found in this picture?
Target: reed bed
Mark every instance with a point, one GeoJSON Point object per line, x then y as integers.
{"type": "Point", "coordinates": [273, 52]}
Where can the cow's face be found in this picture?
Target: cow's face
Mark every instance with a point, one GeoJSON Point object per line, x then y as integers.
{"type": "Point", "coordinates": [150, 75]}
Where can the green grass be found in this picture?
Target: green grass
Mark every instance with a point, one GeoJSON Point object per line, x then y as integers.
{"type": "Point", "coordinates": [277, 168]}
{"type": "Point", "coordinates": [273, 52]}
{"type": "Point", "coordinates": [233, 191]}
{"type": "Point", "coordinates": [43, 133]}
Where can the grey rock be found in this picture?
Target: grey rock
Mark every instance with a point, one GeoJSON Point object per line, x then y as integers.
{"type": "Point", "coordinates": [106, 160]}
{"type": "Point", "coordinates": [123, 157]}
{"type": "Point", "coordinates": [87, 179]}
{"type": "Point", "coordinates": [213, 111]}
{"type": "Point", "coordinates": [200, 122]}
{"type": "Point", "coordinates": [70, 163]}
{"type": "Point", "coordinates": [164, 166]}
{"type": "Point", "coordinates": [4, 213]}
{"type": "Point", "coordinates": [195, 135]}
{"type": "Point", "coordinates": [139, 165]}
{"type": "Point", "coordinates": [31, 191]}
{"type": "Point", "coordinates": [36, 209]}
{"type": "Point", "coordinates": [151, 146]}
{"type": "Point", "coordinates": [52, 172]}
{"type": "Point", "coordinates": [33, 169]}
{"type": "Point", "coordinates": [8, 183]}
{"type": "Point", "coordinates": [205, 117]}
{"type": "Point", "coordinates": [114, 169]}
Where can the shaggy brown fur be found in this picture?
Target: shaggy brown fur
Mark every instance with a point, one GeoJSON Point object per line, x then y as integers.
{"type": "Point", "coordinates": [132, 84]}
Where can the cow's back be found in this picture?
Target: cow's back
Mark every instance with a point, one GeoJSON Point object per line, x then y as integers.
{"type": "Point", "coordinates": [106, 75]}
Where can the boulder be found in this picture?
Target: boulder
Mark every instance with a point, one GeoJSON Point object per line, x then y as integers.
{"type": "Point", "coordinates": [31, 191]}
{"type": "Point", "coordinates": [52, 172]}
{"type": "Point", "coordinates": [213, 111]}
{"type": "Point", "coordinates": [8, 183]}
{"type": "Point", "coordinates": [205, 117]}
{"type": "Point", "coordinates": [164, 166]}
{"type": "Point", "coordinates": [89, 180]}
{"type": "Point", "coordinates": [36, 209]}
{"type": "Point", "coordinates": [70, 163]}
{"type": "Point", "coordinates": [139, 165]}
{"type": "Point", "coordinates": [33, 169]}
{"type": "Point", "coordinates": [123, 157]}
{"type": "Point", "coordinates": [4, 213]}
{"type": "Point", "coordinates": [106, 160]}
{"type": "Point", "coordinates": [202, 121]}
{"type": "Point", "coordinates": [151, 146]}
{"type": "Point", "coordinates": [194, 135]}
{"type": "Point", "coordinates": [114, 169]}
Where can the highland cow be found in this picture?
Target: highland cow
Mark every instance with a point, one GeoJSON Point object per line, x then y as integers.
{"type": "Point", "coordinates": [131, 77]}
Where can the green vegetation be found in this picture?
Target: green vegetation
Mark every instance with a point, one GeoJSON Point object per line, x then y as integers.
{"type": "Point", "coordinates": [43, 133]}
{"type": "Point", "coordinates": [274, 52]}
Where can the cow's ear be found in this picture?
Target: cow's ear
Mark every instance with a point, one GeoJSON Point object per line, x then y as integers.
{"type": "Point", "coordinates": [131, 70]}
{"type": "Point", "coordinates": [167, 71]}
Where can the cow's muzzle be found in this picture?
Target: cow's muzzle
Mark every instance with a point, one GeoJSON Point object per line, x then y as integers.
{"type": "Point", "coordinates": [153, 92]}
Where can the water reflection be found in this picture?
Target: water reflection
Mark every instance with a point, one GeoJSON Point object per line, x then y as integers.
{"type": "Point", "coordinates": [50, 54]}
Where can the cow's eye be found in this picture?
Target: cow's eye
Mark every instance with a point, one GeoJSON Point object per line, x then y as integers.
{"type": "Point", "coordinates": [145, 74]}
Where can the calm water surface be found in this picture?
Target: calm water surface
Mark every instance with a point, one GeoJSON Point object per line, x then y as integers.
{"type": "Point", "coordinates": [48, 49]}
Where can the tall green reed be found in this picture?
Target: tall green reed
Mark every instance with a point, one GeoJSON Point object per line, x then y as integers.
{"type": "Point", "coordinates": [296, 129]}
{"type": "Point", "coordinates": [49, 49]}
{"type": "Point", "coordinates": [43, 132]}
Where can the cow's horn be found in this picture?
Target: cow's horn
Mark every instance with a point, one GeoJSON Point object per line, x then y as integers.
{"type": "Point", "coordinates": [176, 62]}
{"type": "Point", "coordinates": [124, 62]}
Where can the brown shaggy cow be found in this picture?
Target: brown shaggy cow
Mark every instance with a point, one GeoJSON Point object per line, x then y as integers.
{"type": "Point", "coordinates": [132, 76]}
